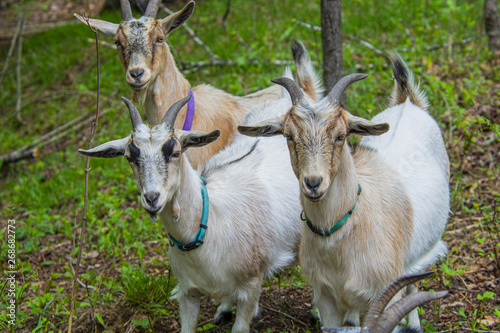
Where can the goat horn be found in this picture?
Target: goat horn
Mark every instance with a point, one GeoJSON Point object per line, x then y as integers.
{"type": "Point", "coordinates": [393, 315]}
{"type": "Point", "coordinates": [134, 114]}
{"type": "Point", "coordinates": [292, 87]}
{"type": "Point", "coordinates": [378, 307]}
{"type": "Point", "coordinates": [152, 8]}
{"type": "Point", "coordinates": [126, 11]}
{"type": "Point", "coordinates": [339, 88]}
{"type": "Point", "coordinates": [172, 113]}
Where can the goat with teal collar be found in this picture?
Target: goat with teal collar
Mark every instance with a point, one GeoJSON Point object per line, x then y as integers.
{"type": "Point", "coordinates": [374, 212]}
{"type": "Point", "coordinates": [231, 227]}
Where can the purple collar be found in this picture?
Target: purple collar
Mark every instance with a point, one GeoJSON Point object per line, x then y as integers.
{"type": "Point", "coordinates": [189, 114]}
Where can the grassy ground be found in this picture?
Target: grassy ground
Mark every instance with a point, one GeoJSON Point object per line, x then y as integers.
{"type": "Point", "coordinates": [125, 267]}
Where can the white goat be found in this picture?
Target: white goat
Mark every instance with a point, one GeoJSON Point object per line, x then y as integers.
{"type": "Point", "coordinates": [374, 213]}
{"type": "Point", "coordinates": [250, 220]}
{"type": "Point", "coordinates": [157, 82]}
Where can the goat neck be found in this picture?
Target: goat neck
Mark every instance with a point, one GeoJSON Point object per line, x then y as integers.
{"type": "Point", "coordinates": [339, 198]}
{"type": "Point", "coordinates": [168, 87]}
{"type": "Point", "coordinates": [190, 204]}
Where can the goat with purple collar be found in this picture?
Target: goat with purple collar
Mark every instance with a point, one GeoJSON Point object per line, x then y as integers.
{"type": "Point", "coordinates": [374, 212]}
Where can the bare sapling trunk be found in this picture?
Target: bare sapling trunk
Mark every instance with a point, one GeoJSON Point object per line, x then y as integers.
{"type": "Point", "coordinates": [331, 39]}
{"type": "Point", "coordinates": [492, 25]}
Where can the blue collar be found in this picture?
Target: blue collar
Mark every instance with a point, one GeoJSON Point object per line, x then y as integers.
{"type": "Point", "coordinates": [336, 226]}
{"type": "Point", "coordinates": [200, 236]}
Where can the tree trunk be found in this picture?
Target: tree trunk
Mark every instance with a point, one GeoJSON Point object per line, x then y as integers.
{"type": "Point", "coordinates": [331, 38]}
{"type": "Point", "coordinates": [492, 25]}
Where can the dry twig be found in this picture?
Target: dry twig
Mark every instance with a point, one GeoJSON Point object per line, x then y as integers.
{"type": "Point", "coordinates": [18, 69]}
{"type": "Point", "coordinates": [382, 53]}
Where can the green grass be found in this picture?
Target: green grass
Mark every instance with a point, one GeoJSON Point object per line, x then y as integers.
{"type": "Point", "coordinates": [45, 195]}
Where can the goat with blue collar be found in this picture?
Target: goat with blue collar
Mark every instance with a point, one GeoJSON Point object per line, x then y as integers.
{"type": "Point", "coordinates": [231, 226]}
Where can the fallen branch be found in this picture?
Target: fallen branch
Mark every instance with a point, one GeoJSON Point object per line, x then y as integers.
{"type": "Point", "coordinates": [18, 69]}
{"type": "Point", "coordinates": [35, 29]}
{"type": "Point", "coordinates": [32, 150]}
{"type": "Point", "coordinates": [190, 31]}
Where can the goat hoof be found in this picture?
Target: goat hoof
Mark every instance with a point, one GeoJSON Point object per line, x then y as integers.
{"type": "Point", "coordinates": [223, 318]}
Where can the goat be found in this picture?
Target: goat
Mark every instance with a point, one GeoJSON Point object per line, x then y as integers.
{"type": "Point", "coordinates": [379, 320]}
{"type": "Point", "coordinates": [374, 213]}
{"type": "Point", "coordinates": [250, 222]}
{"type": "Point", "coordinates": [157, 83]}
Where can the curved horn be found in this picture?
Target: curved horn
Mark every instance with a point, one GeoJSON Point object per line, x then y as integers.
{"type": "Point", "coordinates": [126, 11]}
{"type": "Point", "coordinates": [172, 113]}
{"type": "Point", "coordinates": [152, 8]}
{"type": "Point", "coordinates": [342, 85]}
{"type": "Point", "coordinates": [292, 87]}
{"type": "Point", "coordinates": [134, 114]}
{"type": "Point", "coordinates": [378, 307]}
{"type": "Point", "coordinates": [393, 315]}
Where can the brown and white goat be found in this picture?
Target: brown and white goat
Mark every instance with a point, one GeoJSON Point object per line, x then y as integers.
{"type": "Point", "coordinates": [373, 213]}
{"type": "Point", "coordinates": [151, 72]}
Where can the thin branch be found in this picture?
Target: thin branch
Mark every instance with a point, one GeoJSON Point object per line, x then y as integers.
{"type": "Point", "coordinates": [93, 129]}
{"type": "Point", "coordinates": [193, 66]}
{"type": "Point", "coordinates": [382, 53]}
{"type": "Point", "coordinates": [346, 36]}
{"type": "Point", "coordinates": [226, 14]}
{"type": "Point", "coordinates": [12, 46]}
{"type": "Point", "coordinates": [18, 69]}
{"type": "Point", "coordinates": [190, 31]}
{"type": "Point", "coordinates": [284, 314]}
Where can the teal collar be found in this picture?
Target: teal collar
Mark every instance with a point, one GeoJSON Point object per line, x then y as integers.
{"type": "Point", "coordinates": [200, 236]}
{"type": "Point", "coordinates": [336, 226]}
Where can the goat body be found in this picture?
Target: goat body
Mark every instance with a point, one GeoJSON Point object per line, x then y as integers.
{"type": "Point", "coordinates": [401, 213]}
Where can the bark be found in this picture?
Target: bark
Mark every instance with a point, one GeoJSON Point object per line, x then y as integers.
{"type": "Point", "coordinates": [492, 25]}
{"type": "Point", "coordinates": [331, 39]}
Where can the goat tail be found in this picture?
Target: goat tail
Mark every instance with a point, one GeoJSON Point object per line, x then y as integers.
{"type": "Point", "coordinates": [306, 76]}
{"type": "Point", "coordinates": [404, 84]}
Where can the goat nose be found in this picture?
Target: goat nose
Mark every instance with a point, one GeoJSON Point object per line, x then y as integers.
{"type": "Point", "coordinates": [152, 198]}
{"type": "Point", "coordinates": [313, 182]}
{"type": "Point", "coordinates": [136, 73]}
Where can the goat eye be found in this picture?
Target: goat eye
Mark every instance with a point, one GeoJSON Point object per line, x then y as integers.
{"type": "Point", "coordinates": [118, 44]}
{"type": "Point", "coordinates": [340, 138]}
{"type": "Point", "coordinates": [160, 40]}
{"type": "Point", "coordinates": [288, 137]}
{"type": "Point", "coordinates": [176, 154]}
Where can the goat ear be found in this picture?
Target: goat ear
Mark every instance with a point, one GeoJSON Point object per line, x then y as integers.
{"type": "Point", "coordinates": [264, 128]}
{"type": "Point", "coordinates": [360, 126]}
{"type": "Point", "coordinates": [109, 149]}
{"type": "Point", "coordinates": [189, 139]}
{"type": "Point", "coordinates": [107, 28]}
{"type": "Point", "coordinates": [175, 20]}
